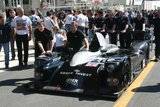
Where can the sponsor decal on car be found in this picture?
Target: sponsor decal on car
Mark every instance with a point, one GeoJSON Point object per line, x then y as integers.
{"type": "Point", "coordinates": [92, 64]}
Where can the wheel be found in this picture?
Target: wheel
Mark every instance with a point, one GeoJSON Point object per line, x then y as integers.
{"type": "Point", "coordinates": [126, 76]}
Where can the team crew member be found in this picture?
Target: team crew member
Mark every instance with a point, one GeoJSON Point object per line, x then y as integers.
{"type": "Point", "coordinates": [9, 21]}
{"type": "Point", "coordinates": [4, 38]}
{"type": "Point", "coordinates": [139, 27]}
{"type": "Point", "coordinates": [43, 40]}
{"type": "Point", "coordinates": [23, 29]}
{"type": "Point", "coordinates": [156, 23]}
{"type": "Point", "coordinates": [109, 26]}
{"type": "Point", "coordinates": [99, 20]}
{"type": "Point", "coordinates": [76, 39]}
{"type": "Point", "coordinates": [121, 29]}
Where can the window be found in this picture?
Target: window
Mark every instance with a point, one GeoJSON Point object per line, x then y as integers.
{"type": "Point", "coordinates": [6, 2]}
{"type": "Point", "coordinates": [25, 1]}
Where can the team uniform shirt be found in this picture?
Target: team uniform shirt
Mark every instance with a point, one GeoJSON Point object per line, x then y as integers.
{"type": "Point", "coordinates": [21, 24]}
{"type": "Point", "coordinates": [48, 23]}
{"type": "Point", "coordinates": [110, 22]}
{"type": "Point", "coordinates": [59, 39]}
{"type": "Point", "coordinates": [121, 23]}
{"type": "Point", "coordinates": [69, 19]}
{"type": "Point", "coordinates": [156, 23]}
{"type": "Point", "coordinates": [75, 40]}
{"type": "Point", "coordinates": [44, 37]}
{"type": "Point", "coordinates": [98, 22]}
{"type": "Point", "coordinates": [82, 20]}
{"type": "Point", "coordinates": [139, 23]}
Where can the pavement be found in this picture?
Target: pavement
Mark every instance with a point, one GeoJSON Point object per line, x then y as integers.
{"type": "Point", "coordinates": [14, 63]}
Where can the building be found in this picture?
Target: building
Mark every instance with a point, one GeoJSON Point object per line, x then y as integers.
{"type": "Point", "coordinates": [151, 4]}
{"type": "Point", "coordinates": [85, 4]}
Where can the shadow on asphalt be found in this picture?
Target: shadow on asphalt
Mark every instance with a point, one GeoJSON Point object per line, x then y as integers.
{"type": "Point", "coordinates": [149, 89]}
{"type": "Point", "coordinates": [26, 91]}
{"type": "Point", "coordinates": [14, 82]}
{"type": "Point", "coordinates": [81, 97]}
{"type": "Point", "coordinates": [17, 68]}
{"type": "Point", "coordinates": [18, 83]}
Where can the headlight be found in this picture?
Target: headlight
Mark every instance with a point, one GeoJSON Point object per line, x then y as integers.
{"type": "Point", "coordinates": [110, 67]}
{"type": "Point", "coordinates": [38, 75]}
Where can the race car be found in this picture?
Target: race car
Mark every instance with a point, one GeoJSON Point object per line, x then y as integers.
{"type": "Point", "coordinates": [105, 70]}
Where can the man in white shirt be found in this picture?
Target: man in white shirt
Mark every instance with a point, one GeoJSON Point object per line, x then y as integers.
{"type": "Point", "coordinates": [68, 20]}
{"type": "Point", "coordinates": [23, 30]}
{"type": "Point", "coordinates": [82, 21]}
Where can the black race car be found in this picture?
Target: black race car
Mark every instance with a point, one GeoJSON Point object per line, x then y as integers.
{"type": "Point", "coordinates": [104, 70]}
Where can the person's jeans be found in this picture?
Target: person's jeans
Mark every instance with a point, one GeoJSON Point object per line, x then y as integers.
{"type": "Point", "coordinates": [6, 51]}
{"type": "Point", "coordinates": [12, 48]}
{"type": "Point", "coordinates": [90, 35]}
{"type": "Point", "coordinates": [22, 40]}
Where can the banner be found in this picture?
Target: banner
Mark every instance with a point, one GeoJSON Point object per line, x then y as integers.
{"type": "Point", "coordinates": [96, 1]}
{"type": "Point", "coordinates": [138, 2]}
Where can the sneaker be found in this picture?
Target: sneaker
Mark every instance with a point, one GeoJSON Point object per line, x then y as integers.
{"type": "Point", "coordinates": [20, 64]}
{"type": "Point", "coordinates": [25, 64]}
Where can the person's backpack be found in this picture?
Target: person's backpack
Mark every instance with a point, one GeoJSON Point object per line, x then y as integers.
{"type": "Point", "coordinates": [34, 21]}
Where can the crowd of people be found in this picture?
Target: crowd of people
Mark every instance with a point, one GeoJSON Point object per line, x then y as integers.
{"type": "Point", "coordinates": [74, 29]}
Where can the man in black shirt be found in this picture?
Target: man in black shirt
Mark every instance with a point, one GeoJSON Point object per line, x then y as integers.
{"type": "Point", "coordinates": [109, 26]}
{"type": "Point", "coordinates": [4, 38]}
{"type": "Point", "coordinates": [156, 23]}
{"type": "Point", "coordinates": [139, 27]}
{"type": "Point", "coordinates": [121, 29]}
{"type": "Point", "coordinates": [43, 40]}
{"type": "Point", "coordinates": [76, 39]}
{"type": "Point", "coordinates": [99, 20]}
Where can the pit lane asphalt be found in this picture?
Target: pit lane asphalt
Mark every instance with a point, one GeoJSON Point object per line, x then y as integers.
{"type": "Point", "coordinates": [12, 94]}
